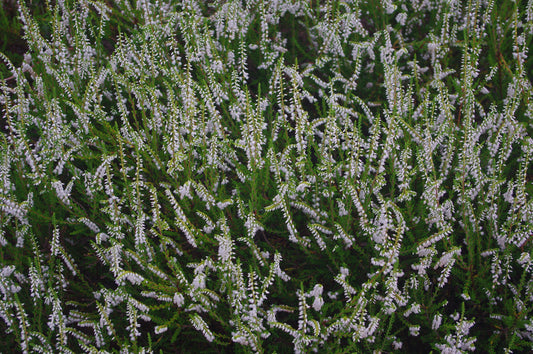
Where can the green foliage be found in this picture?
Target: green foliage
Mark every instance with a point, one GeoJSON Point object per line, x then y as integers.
{"type": "Point", "coordinates": [236, 176]}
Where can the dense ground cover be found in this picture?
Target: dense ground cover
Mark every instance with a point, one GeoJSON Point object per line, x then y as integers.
{"type": "Point", "coordinates": [266, 176]}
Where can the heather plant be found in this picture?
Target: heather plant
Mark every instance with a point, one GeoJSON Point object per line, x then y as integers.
{"type": "Point", "coordinates": [267, 176]}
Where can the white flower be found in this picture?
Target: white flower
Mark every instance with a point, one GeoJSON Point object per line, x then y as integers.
{"type": "Point", "coordinates": [160, 329]}
{"type": "Point", "coordinates": [414, 330]}
{"type": "Point", "coordinates": [318, 302]}
{"type": "Point", "coordinates": [401, 18]}
{"type": "Point", "coordinates": [132, 277]}
{"type": "Point", "coordinates": [178, 299]}
{"type": "Point", "coordinates": [437, 319]}
{"type": "Point", "coordinates": [199, 281]}
{"type": "Point", "coordinates": [200, 325]}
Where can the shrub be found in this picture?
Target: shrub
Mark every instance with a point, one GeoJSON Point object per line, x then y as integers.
{"type": "Point", "coordinates": [266, 176]}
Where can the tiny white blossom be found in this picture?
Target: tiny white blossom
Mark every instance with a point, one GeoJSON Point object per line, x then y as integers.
{"type": "Point", "coordinates": [414, 331]}
{"type": "Point", "coordinates": [178, 299]}
{"type": "Point", "coordinates": [160, 329]}
{"type": "Point", "coordinates": [437, 319]}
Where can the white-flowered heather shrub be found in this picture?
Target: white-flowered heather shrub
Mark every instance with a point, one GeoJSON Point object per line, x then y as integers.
{"type": "Point", "coordinates": [266, 175]}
